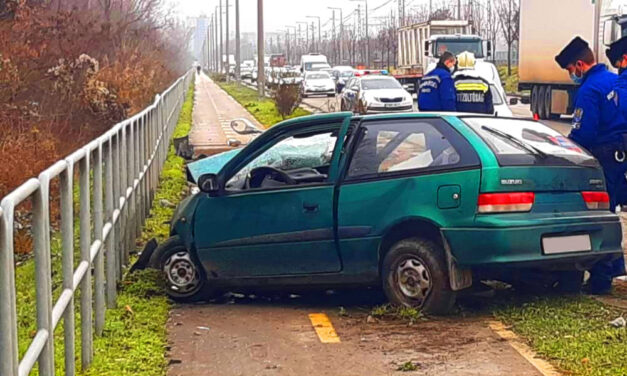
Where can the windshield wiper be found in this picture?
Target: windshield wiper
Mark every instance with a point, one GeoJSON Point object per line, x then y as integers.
{"type": "Point", "coordinates": [530, 148]}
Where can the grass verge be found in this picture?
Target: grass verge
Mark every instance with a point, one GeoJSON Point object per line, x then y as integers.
{"type": "Point", "coordinates": [264, 110]}
{"type": "Point", "coordinates": [134, 337]}
{"type": "Point", "coordinates": [572, 332]}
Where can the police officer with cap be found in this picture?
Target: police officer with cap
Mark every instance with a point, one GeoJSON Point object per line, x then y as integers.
{"type": "Point", "coordinates": [437, 90]}
{"type": "Point", "coordinates": [598, 125]}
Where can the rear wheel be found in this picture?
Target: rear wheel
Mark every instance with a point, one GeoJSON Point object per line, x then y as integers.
{"type": "Point", "coordinates": [184, 277]}
{"type": "Point", "coordinates": [541, 102]}
{"type": "Point", "coordinates": [534, 99]}
{"type": "Point", "coordinates": [414, 274]}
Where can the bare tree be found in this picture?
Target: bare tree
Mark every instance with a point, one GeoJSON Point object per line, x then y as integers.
{"type": "Point", "coordinates": [509, 18]}
{"type": "Point", "coordinates": [492, 25]}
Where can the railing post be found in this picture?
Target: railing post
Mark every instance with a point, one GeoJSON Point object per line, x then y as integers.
{"type": "Point", "coordinates": [110, 241]}
{"type": "Point", "coordinates": [43, 283]}
{"type": "Point", "coordinates": [116, 204]}
{"type": "Point", "coordinates": [122, 194]}
{"type": "Point", "coordinates": [131, 182]}
{"type": "Point", "coordinates": [99, 259]}
{"type": "Point", "coordinates": [85, 242]}
{"type": "Point", "coordinates": [8, 311]}
{"type": "Point", "coordinates": [67, 261]}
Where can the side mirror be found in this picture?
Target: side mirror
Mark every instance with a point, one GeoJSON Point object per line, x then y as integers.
{"type": "Point", "coordinates": [513, 101]}
{"type": "Point", "coordinates": [406, 87]}
{"type": "Point", "coordinates": [208, 183]}
{"type": "Point", "coordinates": [244, 127]}
{"type": "Point", "coordinates": [489, 47]}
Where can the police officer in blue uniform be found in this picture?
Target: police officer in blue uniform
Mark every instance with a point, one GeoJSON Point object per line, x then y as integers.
{"type": "Point", "coordinates": [437, 89]}
{"type": "Point", "coordinates": [599, 126]}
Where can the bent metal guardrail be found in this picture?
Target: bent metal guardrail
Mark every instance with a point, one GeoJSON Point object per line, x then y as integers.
{"type": "Point", "coordinates": [122, 169]}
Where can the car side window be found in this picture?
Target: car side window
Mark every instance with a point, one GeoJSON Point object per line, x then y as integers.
{"type": "Point", "coordinates": [411, 145]}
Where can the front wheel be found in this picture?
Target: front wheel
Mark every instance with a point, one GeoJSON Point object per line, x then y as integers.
{"type": "Point", "coordinates": [185, 279]}
{"type": "Point", "coordinates": [414, 274]}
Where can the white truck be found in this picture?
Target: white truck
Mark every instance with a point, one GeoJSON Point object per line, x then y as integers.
{"type": "Point", "coordinates": [420, 47]}
{"type": "Point", "coordinates": [312, 62]}
{"type": "Point", "coordinates": [546, 27]}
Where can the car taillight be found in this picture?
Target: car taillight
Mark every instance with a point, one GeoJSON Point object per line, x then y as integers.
{"type": "Point", "coordinates": [506, 202]}
{"type": "Point", "coordinates": [596, 200]}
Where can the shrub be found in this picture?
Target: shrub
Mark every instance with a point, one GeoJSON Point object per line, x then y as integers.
{"type": "Point", "coordinates": [287, 98]}
{"type": "Point", "coordinates": [218, 77]}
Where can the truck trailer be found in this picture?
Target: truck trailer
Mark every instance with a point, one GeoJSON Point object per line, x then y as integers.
{"type": "Point", "coordinates": [542, 37]}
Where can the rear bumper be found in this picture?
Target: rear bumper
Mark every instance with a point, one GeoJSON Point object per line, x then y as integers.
{"type": "Point", "coordinates": [521, 246]}
{"type": "Point", "coordinates": [319, 92]}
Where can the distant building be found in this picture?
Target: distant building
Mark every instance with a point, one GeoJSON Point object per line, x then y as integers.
{"type": "Point", "coordinates": [201, 24]}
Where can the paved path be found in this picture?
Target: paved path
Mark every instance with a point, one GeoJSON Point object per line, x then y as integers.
{"type": "Point", "coordinates": [213, 111]}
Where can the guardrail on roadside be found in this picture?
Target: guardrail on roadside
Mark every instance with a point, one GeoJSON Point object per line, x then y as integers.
{"type": "Point", "coordinates": [117, 175]}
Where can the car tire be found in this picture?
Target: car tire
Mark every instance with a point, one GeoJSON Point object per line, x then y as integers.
{"type": "Point", "coordinates": [534, 99]}
{"type": "Point", "coordinates": [184, 276]}
{"type": "Point", "coordinates": [570, 282]}
{"type": "Point", "coordinates": [422, 266]}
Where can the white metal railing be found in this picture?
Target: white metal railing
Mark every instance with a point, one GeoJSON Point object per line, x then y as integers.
{"type": "Point", "coordinates": [117, 177]}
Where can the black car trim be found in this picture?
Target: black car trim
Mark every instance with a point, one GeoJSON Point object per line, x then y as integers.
{"type": "Point", "coordinates": [286, 237]}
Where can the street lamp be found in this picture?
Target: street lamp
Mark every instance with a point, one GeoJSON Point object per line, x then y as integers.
{"type": "Point", "coordinates": [341, 32]}
{"type": "Point", "coordinates": [367, 36]}
{"type": "Point", "coordinates": [319, 33]}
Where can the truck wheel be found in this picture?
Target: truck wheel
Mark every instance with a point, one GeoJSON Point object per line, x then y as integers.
{"type": "Point", "coordinates": [185, 279]}
{"type": "Point", "coordinates": [414, 274]}
{"type": "Point", "coordinates": [548, 98]}
{"type": "Point", "coordinates": [541, 103]}
{"type": "Point", "coordinates": [534, 99]}
{"type": "Point", "coordinates": [570, 281]}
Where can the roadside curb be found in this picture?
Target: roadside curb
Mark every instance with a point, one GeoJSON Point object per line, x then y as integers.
{"type": "Point", "coordinates": [544, 367]}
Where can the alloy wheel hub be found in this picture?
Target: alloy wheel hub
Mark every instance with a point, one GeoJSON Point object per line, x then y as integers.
{"type": "Point", "coordinates": [181, 272]}
{"type": "Point", "coordinates": [413, 278]}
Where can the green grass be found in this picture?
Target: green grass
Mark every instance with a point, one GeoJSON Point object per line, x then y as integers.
{"type": "Point", "coordinates": [510, 83]}
{"type": "Point", "coordinates": [572, 332]}
{"type": "Point", "coordinates": [185, 119]}
{"type": "Point", "coordinates": [134, 337]}
{"type": "Point", "coordinates": [264, 110]}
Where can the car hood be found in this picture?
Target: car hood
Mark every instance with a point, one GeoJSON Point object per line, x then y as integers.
{"type": "Point", "coordinates": [387, 93]}
{"type": "Point", "coordinates": [325, 82]}
{"type": "Point", "coordinates": [211, 165]}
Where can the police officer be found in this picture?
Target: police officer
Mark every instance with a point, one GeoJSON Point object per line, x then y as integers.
{"type": "Point", "coordinates": [473, 92]}
{"type": "Point", "coordinates": [598, 125]}
{"type": "Point", "coordinates": [437, 90]}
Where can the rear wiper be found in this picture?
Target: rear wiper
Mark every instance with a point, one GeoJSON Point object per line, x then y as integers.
{"type": "Point", "coordinates": [530, 148]}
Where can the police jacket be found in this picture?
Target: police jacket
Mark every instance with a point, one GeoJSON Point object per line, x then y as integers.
{"type": "Point", "coordinates": [437, 91]}
{"type": "Point", "coordinates": [473, 94]}
{"type": "Point", "coordinates": [597, 119]}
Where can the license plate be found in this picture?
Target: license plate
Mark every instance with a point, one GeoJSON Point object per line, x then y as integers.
{"type": "Point", "coordinates": [566, 244]}
{"type": "Point", "coordinates": [388, 105]}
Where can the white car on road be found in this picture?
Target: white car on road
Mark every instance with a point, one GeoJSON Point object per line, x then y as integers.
{"type": "Point", "coordinates": [372, 94]}
{"type": "Point", "coordinates": [318, 83]}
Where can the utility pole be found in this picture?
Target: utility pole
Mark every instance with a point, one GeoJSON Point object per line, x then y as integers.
{"type": "Point", "coordinates": [367, 35]}
{"type": "Point", "coordinates": [238, 63]}
{"type": "Point", "coordinates": [334, 39]}
{"type": "Point", "coordinates": [306, 32]}
{"type": "Point", "coordinates": [430, 9]}
{"type": "Point", "coordinates": [319, 33]}
{"type": "Point", "coordinates": [226, 49]}
{"type": "Point", "coordinates": [459, 9]}
{"type": "Point", "coordinates": [260, 54]}
{"type": "Point", "coordinates": [341, 32]}
{"type": "Point", "coordinates": [221, 41]}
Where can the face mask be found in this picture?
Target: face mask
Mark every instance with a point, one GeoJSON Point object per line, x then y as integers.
{"type": "Point", "coordinates": [575, 79]}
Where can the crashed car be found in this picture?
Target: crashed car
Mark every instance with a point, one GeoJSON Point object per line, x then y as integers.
{"type": "Point", "coordinates": [421, 205]}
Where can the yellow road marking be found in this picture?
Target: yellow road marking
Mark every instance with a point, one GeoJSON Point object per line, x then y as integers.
{"type": "Point", "coordinates": [541, 365]}
{"type": "Point", "coordinates": [324, 328]}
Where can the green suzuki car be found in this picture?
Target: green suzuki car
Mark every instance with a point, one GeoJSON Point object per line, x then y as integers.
{"type": "Point", "coordinates": [422, 205]}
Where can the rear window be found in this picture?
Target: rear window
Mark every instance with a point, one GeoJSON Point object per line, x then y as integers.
{"type": "Point", "coordinates": [525, 143]}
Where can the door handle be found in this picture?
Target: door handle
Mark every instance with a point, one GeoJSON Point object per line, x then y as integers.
{"type": "Point", "coordinates": [310, 207]}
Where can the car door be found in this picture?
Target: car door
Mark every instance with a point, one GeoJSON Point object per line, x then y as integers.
{"type": "Point", "coordinates": [349, 94]}
{"type": "Point", "coordinates": [281, 229]}
{"type": "Point", "coordinates": [403, 169]}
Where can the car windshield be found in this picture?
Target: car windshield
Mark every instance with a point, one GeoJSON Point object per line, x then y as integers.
{"type": "Point", "coordinates": [318, 76]}
{"type": "Point", "coordinates": [346, 74]}
{"type": "Point", "coordinates": [457, 46]}
{"type": "Point", "coordinates": [380, 83]}
{"type": "Point", "coordinates": [525, 142]}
